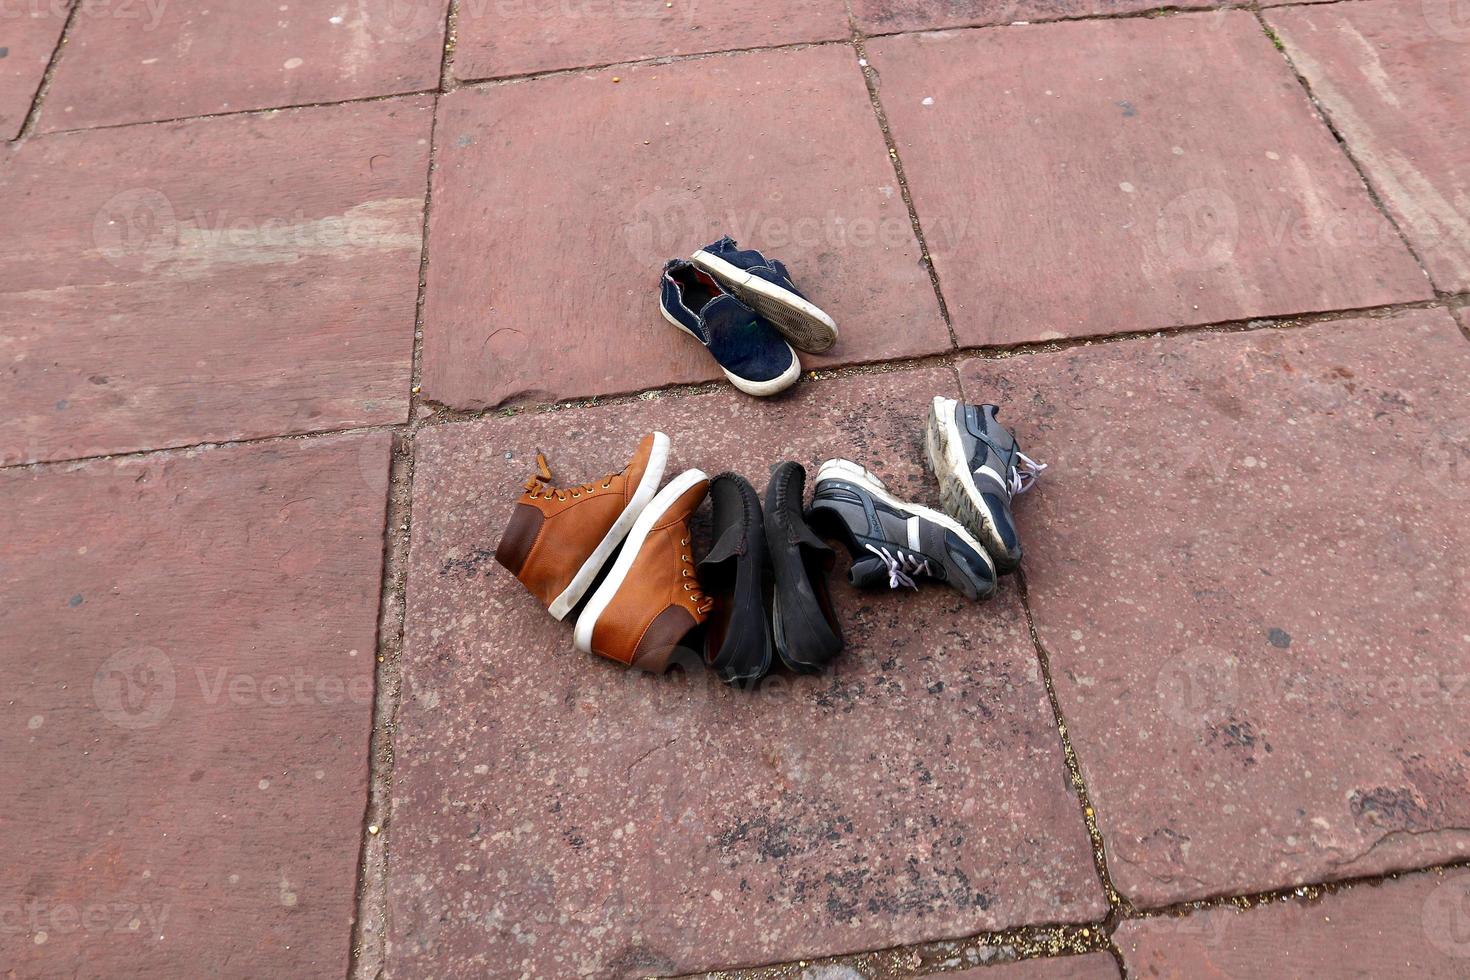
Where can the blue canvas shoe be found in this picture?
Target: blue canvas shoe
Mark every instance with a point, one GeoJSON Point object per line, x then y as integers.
{"type": "Point", "coordinates": [765, 286]}
{"type": "Point", "coordinates": [748, 349]}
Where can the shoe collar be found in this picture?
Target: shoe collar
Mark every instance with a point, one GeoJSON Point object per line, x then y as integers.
{"type": "Point", "coordinates": [671, 277]}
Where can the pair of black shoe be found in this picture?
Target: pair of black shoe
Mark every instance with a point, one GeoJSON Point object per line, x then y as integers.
{"type": "Point", "coordinates": [760, 554]}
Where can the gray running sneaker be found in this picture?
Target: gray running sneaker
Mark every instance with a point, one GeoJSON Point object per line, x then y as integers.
{"type": "Point", "coordinates": [892, 542]}
{"type": "Point", "coordinates": [981, 470]}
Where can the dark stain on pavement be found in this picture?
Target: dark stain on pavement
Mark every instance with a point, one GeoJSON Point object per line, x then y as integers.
{"type": "Point", "coordinates": [1389, 807]}
{"type": "Point", "coordinates": [470, 565]}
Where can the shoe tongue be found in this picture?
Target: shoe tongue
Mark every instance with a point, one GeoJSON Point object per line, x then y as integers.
{"type": "Point", "coordinates": [867, 572]}
{"type": "Point", "coordinates": [999, 434]}
{"type": "Point", "coordinates": [726, 313]}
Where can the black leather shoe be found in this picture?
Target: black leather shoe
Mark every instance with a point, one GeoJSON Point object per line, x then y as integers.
{"type": "Point", "coordinates": [803, 622]}
{"type": "Point", "coordinates": [738, 637]}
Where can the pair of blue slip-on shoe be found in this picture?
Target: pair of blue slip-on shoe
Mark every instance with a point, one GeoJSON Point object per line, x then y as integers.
{"type": "Point", "coordinates": [747, 312]}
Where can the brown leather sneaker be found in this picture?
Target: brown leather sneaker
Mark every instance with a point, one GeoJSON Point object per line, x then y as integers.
{"type": "Point", "coordinates": [651, 597]}
{"type": "Point", "coordinates": [559, 538]}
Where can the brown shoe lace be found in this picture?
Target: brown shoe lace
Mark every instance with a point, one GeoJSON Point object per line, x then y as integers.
{"type": "Point", "coordinates": [702, 602]}
{"type": "Point", "coordinates": [541, 485]}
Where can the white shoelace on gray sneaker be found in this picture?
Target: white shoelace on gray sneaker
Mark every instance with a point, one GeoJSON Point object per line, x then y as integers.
{"type": "Point", "coordinates": [1025, 474]}
{"type": "Point", "coordinates": [902, 568]}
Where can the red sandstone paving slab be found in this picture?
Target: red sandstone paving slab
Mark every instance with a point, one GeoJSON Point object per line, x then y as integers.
{"type": "Point", "coordinates": [189, 667]}
{"type": "Point", "coordinates": [216, 279]}
{"type": "Point", "coordinates": [1092, 966]}
{"type": "Point", "coordinates": [552, 220]}
{"type": "Point", "coordinates": [891, 16]}
{"type": "Point", "coordinates": [1392, 81]}
{"type": "Point", "coordinates": [517, 37]}
{"type": "Point", "coordinates": [1088, 178]}
{"type": "Point", "coordinates": [554, 814]}
{"type": "Point", "coordinates": [1245, 563]}
{"type": "Point", "coordinates": [129, 62]}
{"type": "Point", "coordinates": [28, 36]}
{"type": "Point", "coordinates": [1417, 926]}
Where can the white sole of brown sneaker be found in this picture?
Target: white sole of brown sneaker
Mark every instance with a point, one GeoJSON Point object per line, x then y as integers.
{"type": "Point", "coordinates": [651, 515]}
{"type": "Point", "coordinates": [658, 459]}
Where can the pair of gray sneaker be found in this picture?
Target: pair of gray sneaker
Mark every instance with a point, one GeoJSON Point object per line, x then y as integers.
{"type": "Point", "coordinates": [981, 470]}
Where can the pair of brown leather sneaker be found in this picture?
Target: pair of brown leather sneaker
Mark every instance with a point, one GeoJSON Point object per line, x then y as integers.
{"type": "Point", "coordinates": [560, 538]}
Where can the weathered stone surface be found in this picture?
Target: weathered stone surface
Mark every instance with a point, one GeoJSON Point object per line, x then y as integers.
{"type": "Point", "coordinates": [149, 59]}
{"type": "Point", "coordinates": [1246, 565]}
{"type": "Point", "coordinates": [1417, 926]}
{"type": "Point", "coordinates": [28, 36]}
{"type": "Point", "coordinates": [189, 671]}
{"type": "Point", "coordinates": [546, 250]}
{"type": "Point", "coordinates": [519, 37]}
{"type": "Point", "coordinates": [556, 815]}
{"type": "Point", "coordinates": [892, 16]}
{"type": "Point", "coordinates": [1393, 84]}
{"type": "Point", "coordinates": [1092, 966]}
{"type": "Point", "coordinates": [1087, 178]}
{"type": "Point", "coordinates": [217, 279]}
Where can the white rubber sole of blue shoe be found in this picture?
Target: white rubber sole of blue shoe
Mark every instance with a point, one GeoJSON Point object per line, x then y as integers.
{"type": "Point", "coordinates": [759, 389]}
{"type": "Point", "coordinates": [587, 574]}
{"type": "Point", "coordinates": [958, 491]}
{"type": "Point", "coordinates": [597, 605]}
{"type": "Point", "coordinates": [801, 320]}
{"type": "Point", "coordinates": [847, 470]}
